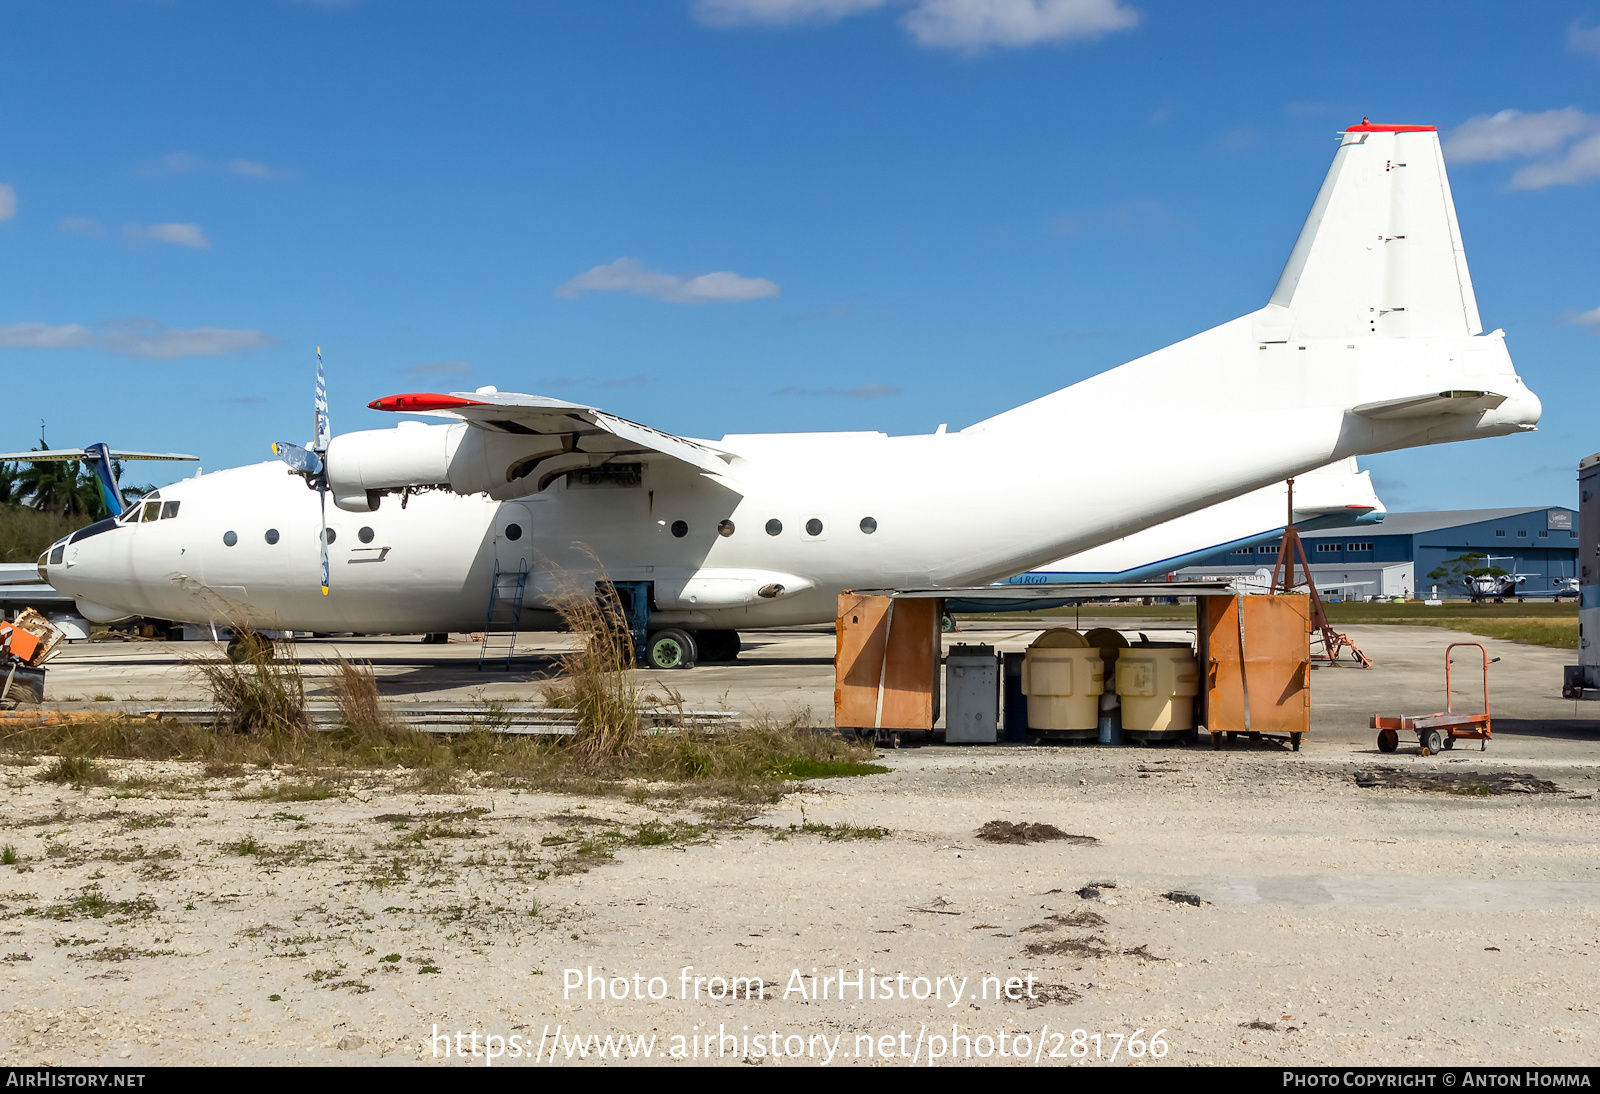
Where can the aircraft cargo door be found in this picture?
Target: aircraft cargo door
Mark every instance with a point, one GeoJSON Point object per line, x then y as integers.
{"type": "Point", "coordinates": [513, 537]}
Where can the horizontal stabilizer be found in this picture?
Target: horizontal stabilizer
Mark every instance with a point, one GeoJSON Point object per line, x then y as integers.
{"type": "Point", "coordinates": [1432, 405]}
{"type": "Point", "coordinates": [53, 454]}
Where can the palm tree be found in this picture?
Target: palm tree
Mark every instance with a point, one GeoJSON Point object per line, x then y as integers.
{"type": "Point", "coordinates": [60, 486]}
{"type": "Point", "coordinates": [10, 487]}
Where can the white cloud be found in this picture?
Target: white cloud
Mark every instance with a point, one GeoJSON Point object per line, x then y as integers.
{"type": "Point", "coordinates": [138, 337]}
{"type": "Point", "coordinates": [1583, 39]}
{"type": "Point", "coordinates": [440, 368]}
{"type": "Point", "coordinates": [865, 391]}
{"type": "Point", "coordinates": [1512, 133]}
{"type": "Point", "coordinates": [8, 202]}
{"type": "Point", "coordinates": [44, 336]}
{"type": "Point", "coordinates": [629, 275]}
{"type": "Point", "coordinates": [734, 13]}
{"type": "Point", "coordinates": [180, 235]}
{"type": "Point", "coordinates": [1580, 164]}
{"type": "Point", "coordinates": [970, 26]}
{"type": "Point", "coordinates": [975, 25]}
{"type": "Point", "coordinates": [1590, 319]}
{"type": "Point", "coordinates": [1137, 216]}
{"type": "Point", "coordinates": [1567, 139]}
{"type": "Point", "coordinates": [251, 169]}
{"type": "Point", "coordinates": [175, 163]}
{"type": "Point", "coordinates": [1241, 139]}
{"type": "Point", "coordinates": [82, 226]}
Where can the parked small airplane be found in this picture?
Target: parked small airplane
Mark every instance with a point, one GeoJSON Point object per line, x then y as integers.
{"type": "Point", "coordinates": [1497, 587]}
{"type": "Point", "coordinates": [1370, 342]}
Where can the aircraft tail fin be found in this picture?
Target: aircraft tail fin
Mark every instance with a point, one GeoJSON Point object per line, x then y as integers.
{"type": "Point", "coordinates": [99, 460]}
{"type": "Point", "coordinates": [1380, 254]}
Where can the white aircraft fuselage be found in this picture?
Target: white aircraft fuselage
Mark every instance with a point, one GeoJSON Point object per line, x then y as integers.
{"type": "Point", "coordinates": [1371, 343]}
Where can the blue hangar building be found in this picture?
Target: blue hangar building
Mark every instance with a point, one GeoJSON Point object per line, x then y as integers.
{"type": "Point", "coordinates": [1394, 557]}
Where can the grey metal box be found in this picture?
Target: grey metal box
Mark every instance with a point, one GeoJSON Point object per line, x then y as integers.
{"type": "Point", "coordinates": [972, 695]}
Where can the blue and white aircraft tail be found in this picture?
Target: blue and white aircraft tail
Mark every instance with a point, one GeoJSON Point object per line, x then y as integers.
{"type": "Point", "coordinates": [100, 458]}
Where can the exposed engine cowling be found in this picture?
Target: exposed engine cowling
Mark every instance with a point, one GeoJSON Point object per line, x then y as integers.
{"type": "Point", "coordinates": [363, 466]}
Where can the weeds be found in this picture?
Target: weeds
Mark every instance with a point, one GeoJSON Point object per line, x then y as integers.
{"type": "Point", "coordinates": [805, 768]}
{"type": "Point", "coordinates": [78, 770]}
{"type": "Point", "coordinates": [314, 791]}
{"type": "Point", "coordinates": [596, 682]}
{"type": "Point", "coordinates": [253, 690]}
{"type": "Point", "coordinates": [91, 903]}
{"type": "Point", "coordinates": [743, 764]}
{"type": "Point", "coordinates": [836, 832]}
{"type": "Point", "coordinates": [9, 856]}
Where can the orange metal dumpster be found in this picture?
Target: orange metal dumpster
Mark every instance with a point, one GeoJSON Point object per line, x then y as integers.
{"type": "Point", "coordinates": [887, 663]}
{"type": "Point", "coordinates": [1255, 657]}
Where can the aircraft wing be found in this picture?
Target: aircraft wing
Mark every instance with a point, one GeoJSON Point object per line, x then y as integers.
{"type": "Point", "coordinates": [589, 429]}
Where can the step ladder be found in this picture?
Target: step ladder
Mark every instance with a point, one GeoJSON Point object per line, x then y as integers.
{"type": "Point", "coordinates": [505, 612]}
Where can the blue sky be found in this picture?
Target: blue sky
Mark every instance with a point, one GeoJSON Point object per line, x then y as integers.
{"type": "Point", "coordinates": [744, 215]}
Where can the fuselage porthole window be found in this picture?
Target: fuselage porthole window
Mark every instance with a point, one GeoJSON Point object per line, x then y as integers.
{"type": "Point", "coordinates": [724, 528]}
{"type": "Point", "coordinates": [774, 527]}
{"type": "Point", "coordinates": [272, 535]}
{"type": "Point", "coordinates": [868, 525]}
{"type": "Point", "coordinates": [680, 529]}
{"type": "Point", "coordinates": [230, 538]}
{"type": "Point", "coordinates": [365, 535]}
{"type": "Point", "coordinates": [513, 532]}
{"type": "Point", "coordinates": [329, 535]}
{"type": "Point", "coordinates": [813, 527]}
{"type": "Point", "coordinates": [169, 509]}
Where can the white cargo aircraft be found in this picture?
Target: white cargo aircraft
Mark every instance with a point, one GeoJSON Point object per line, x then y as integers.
{"type": "Point", "coordinates": [1370, 342]}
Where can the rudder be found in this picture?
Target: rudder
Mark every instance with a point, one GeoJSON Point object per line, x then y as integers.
{"type": "Point", "coordinates": [1380, 254]}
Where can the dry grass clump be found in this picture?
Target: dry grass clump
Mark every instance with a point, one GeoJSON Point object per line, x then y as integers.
{"type": "Point", "coordinates": [254, 690]}
{"type": "Point", "coordinates": [595, 681]}
{"type": "Point", "coordinates": [78, 770]}
{"type": "Point", "coordinates": [369, 725]}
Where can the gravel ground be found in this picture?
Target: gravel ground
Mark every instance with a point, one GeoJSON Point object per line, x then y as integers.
{"type": "Point", "coordinates": [1254, 906]}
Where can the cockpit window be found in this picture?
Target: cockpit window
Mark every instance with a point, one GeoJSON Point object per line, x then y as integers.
{"type": "Point", "coordinates": [169, 509]}
{"type": "Point", "coordinates": [152, 511]}
{"type": "Point", "coordinates": [57, 554]}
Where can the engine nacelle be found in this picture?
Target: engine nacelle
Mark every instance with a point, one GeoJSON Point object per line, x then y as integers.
{"type": "Point", "coordinates": [364, 465]}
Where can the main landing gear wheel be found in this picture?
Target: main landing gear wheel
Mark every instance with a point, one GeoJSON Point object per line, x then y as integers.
{"type": "Point", "coordinates": [1388, 740]}
{"type": "Point", "coordinates": [670, 649]}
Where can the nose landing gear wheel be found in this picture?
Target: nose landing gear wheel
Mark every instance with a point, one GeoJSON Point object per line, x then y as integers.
{"type": "Point", "coordinates": [670, 649]}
